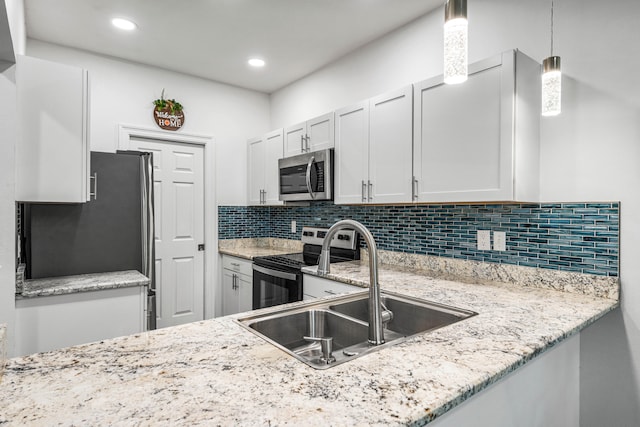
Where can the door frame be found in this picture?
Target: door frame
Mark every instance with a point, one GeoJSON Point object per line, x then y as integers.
{"type": "Point", "coordinates": [126, 132]}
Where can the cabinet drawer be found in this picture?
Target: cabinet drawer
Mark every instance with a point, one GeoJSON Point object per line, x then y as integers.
{"type": "Point", "coordinates": [317, 287]}
{"type": "Point", "coordinates": [238, 265]}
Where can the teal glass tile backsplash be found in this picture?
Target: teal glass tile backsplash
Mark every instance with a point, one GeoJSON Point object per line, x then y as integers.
{"type": "Point", "coordinates": [578, 237]}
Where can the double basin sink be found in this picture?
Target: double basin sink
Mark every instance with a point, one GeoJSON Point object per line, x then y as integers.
{"type": "Point", "coordinates": [343, 321]}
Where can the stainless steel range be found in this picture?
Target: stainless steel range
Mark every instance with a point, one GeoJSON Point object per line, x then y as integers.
{"type": "Point", "coordinates": [277, 279]}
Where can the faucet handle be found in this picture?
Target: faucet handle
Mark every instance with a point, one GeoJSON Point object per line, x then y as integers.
{"type": "Point", "coordinates": [326, 344]}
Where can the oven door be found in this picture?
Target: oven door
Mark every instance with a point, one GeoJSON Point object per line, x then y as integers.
{"type": "Point", "coordinates": [272, 287]}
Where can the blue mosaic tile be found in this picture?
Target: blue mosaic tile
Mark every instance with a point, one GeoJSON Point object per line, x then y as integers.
{"type": "Point", "coordinates": [566, 236]}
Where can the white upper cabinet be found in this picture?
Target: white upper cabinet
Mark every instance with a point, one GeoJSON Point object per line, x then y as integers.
{"type": "Point", "coordinates": [313, 135]}
{"type": "Point", "coordinates": [374, 149]}
{"type": "Point", "coordinates": [52, 153]}
{"type": "Point", "coordinates": [479, 140]}
{"type": "Point", "coordinates": [255, 169]}
{"type": "Point", "coordinates": [263, 177]}
{"type": "Point", "coordinates": [390, 146]}
{"type": "Point", "coordinates": [351, 157]}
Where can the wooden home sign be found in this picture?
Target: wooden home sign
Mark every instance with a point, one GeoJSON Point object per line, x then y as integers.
{"type": "Point", "coordinates": [168, 120]}
{"type": "Point", "coordinates": [168, 113]}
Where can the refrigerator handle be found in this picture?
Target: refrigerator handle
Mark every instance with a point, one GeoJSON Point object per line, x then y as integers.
{"type": "Point", "coordinates": [94, 194]}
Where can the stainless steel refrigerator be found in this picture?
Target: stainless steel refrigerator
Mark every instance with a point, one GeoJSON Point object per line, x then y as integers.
{"type": "Point", "coordinates": [114, 231]}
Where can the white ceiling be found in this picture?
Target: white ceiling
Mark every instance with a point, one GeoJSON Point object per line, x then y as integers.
{"type": "Point", "coordinates": [215, 38]}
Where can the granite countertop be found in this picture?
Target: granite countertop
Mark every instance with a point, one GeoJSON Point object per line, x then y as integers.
{"type": "Point", "coordinates": [215, 372]}
{"type": "Point", "coordinates": [251, 248]}
{"type": "Point", "coordinates": [82, 283]}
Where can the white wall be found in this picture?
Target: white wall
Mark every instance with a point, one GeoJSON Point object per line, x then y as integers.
{"type": "Point", "coordinates": [587, 153]}
{"type": "Point", "coordinates": [15, 20]}
{"type": "Point", "coordinates": [7, 197]}
{"type": "Point", "coordinates": [15, 13]}
{"type": "Point", "coordinates": [543, 393]}
{"type": "Point", "coordinates": [122, 93]}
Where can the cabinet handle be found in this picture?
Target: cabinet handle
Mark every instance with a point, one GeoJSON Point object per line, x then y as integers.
{"type": "Point", "coordinates": [95, 186]}
{"type": "Point", "coordinates": [330, 292]}
{"type": "Point", "coordinates": [235, 264]}
{"type": "Point", "coordinates": [302, 143]}
{"type": "Point", "coordinates": [370, 190]}
{"type": "Point", "coordinates": [414, 189]}
{"type": "Point", "coordinates": [308, 177]}
{"type": "Point", "coordinates": [364, 191]}
{"type": "Point", "coordinates": [306, 140]}
{"type": "Point", "coordinates": [233, 282]}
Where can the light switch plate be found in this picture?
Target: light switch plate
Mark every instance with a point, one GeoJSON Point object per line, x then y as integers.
{"type": "Point", "coordinates": [293, 226]}
{"type": "Point", "coordinates": [484, 240]}
{"type": "Point", "coordinates": [499, 241]}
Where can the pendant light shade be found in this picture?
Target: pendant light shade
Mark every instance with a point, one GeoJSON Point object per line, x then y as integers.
{"type": "Point", "coordinates": [455, 41]}
{"type": "Point", "coordinates": [551, 81]}
{"type": "Point", "coordinates": [551, 86]}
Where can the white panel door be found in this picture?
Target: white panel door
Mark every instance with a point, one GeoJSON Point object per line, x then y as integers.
{"type": "Point", "coordinates": [352, 154]}
{"type": "Point", "coordinates": [255, 175]}
{"type": "Point", "coordinates": [179, 211]}
{"type": "Point", "coordinates": [272, 153]}
{"type": "Point", "coordinates": [460, 152]}
{"type": "Point", "coordinates": [391, 146]}
{"type": "Point", "coordinates": [294, 139]}
{"type": "Point", "coordinates": [320, 132]}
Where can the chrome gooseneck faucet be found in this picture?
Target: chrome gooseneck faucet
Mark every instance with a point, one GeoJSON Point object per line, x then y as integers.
{"type": "Point", "coordinates": [377, 314]}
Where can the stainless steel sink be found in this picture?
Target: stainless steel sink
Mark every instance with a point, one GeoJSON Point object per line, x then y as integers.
{"type": "Point", "coordinates": [342, 321]}
{"type": "Point", "coordinates": [410, 315]}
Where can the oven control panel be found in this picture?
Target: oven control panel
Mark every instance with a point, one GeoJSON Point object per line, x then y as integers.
{"type": "Point", "coordinates": [345, 239]}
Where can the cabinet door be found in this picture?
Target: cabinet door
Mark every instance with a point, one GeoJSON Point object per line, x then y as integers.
{"type": "Point", "coordinates": [463, 152]}
{"type": "Point", "coordinates": [294, 139]}
{"type": "Point", "coordinates": [391, 147]}
{"type": "Point", "coordinates": [351, 159]}
{"type": "Point", "coordinates": [52, 154]}
{"type": "Point", "coordinates": [229, 292]}
{"type": "Point", "coordinates": [320, 133]}
{"type": "Point", "coordinates": [273, 143]}
{"type": "Point", "coordinates": [256, 170]}
{"type": "Point", "coordinates": [245, 293]}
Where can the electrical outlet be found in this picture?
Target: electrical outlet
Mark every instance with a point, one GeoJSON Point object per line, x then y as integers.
{"type": "Point", "coordinates": [293, 227]}
{"type": "Point", "coordinates": [484, 240]}
{"type": "Point", "coordinates": [499, 241]}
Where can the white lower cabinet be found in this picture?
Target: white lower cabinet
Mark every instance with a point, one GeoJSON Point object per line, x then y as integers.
{"type": "Point", "coordinates": [237, 285]}
{"type": "Point", "coordinates": [317, 287]}
{"type": "Point", "coordinates": [51, 322]}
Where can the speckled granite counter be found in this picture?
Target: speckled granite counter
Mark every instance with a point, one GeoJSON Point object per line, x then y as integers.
{"type": "Point", "coordinates": [216, 373]}
{"type": "Point", "coordinates": [264, 246]}
{"type": "Point", "coordinates": [82, 283]}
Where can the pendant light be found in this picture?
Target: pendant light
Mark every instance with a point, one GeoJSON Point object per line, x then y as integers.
{"type": "Point", "coordinates": [455, 41]}
{"type": "Point", "coordinates": [551, 81]}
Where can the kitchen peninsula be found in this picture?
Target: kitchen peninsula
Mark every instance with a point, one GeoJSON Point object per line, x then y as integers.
{"type": "Point", "coordinates": [215, 372]}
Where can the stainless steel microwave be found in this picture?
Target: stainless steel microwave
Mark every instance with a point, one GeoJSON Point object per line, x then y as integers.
{"type": "Point", "coordinates": [307, 176]}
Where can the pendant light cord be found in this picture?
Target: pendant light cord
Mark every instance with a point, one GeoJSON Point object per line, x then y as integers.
{"type": "Point", "coordinates": [551, 27]}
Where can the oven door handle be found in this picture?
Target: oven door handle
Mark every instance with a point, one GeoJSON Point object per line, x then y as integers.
{"type": "Point", "coordinates": [311, 160]}
{"type": "Point", "coordinates": [275, 273]}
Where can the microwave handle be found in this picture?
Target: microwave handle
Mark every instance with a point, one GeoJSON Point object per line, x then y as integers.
{"type": "Point", "coordinates": [311, 160]}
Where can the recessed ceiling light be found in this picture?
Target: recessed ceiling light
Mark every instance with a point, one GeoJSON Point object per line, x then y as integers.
{"type": "Point", "coordinates": [123, 24]}
{"type": "Point", "coordinates": [256, 62]}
